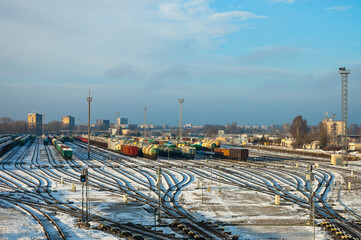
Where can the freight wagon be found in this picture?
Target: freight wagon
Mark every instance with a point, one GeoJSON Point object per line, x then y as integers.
{"type": "Point", "coordinates": [148, 151]}
{"type": "Point", "coordinates": [24, 140]}
{"type": "Point", "coordinates": [65, 151]}
{"type": "Point", "coordinates": [6, 146]}
{"type": "Point", "coordinates": [142, 147]}
{"type": "Point", "coordinates": [232, 153]}
{"type": "Point", "coordinates": [5, 139]}
{"type": "Point", "coordinates": [207, 145]}
{"type": "Point", "coordinates": [45, 140]}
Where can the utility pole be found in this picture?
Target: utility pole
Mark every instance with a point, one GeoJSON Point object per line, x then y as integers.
{"type": "Point", "coordinates": [89, 100]}
{"type": "Point", "coordinates": [344, 111]}
{"type": "Point", "coordinates": [181, 101]}
{"type": "Point", "coordinates": [42, 120]}
{"type": "Point", "coordinates": [145, 121]}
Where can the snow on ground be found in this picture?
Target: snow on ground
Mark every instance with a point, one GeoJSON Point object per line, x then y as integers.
{"type": "Point", "coordinates": [15, 224]}
{"type": "Point", "coordinates": [249, 214]}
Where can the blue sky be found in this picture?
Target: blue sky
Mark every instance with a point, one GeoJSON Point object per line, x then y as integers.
{"type": "Point", "coordinates": [259, 62]}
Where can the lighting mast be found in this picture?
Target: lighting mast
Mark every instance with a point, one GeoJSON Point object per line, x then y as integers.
{"type": "Point", "coordinates": [344, 110]}
{"type": "Point", "coordinates": [181, 101]}
{"type": "Point", "coordinates": [89, 100]}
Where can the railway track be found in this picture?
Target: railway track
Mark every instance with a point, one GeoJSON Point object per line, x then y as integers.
{"type": "Point", "coordinates": [169, 195]}
{"type": "Point", "coordinates": [31, 171]}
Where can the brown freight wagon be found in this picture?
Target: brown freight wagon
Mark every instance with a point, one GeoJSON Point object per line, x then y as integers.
{"type": "Point", "coordinates": [238, 153]}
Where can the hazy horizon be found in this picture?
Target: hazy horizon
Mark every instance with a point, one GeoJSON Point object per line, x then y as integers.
{"type": "Point", "coordinates": [250, 62]}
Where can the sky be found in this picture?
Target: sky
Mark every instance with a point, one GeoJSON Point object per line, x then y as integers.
{"type": "Point", "coordinates": [250, 62]}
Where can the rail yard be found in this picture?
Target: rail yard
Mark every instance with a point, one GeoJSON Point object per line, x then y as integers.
{"type": "Point", "coordinates": [161, 189]}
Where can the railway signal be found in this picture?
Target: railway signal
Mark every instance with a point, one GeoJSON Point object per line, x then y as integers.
{"type": "Point", "coordinates": [82, 178]}
{"type": "Point", "coordinates": [84, 201]}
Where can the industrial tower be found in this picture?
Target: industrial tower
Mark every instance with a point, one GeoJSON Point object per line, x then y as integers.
{"type": "Point", "coordinates": [181, 101]}
{"type": "Point", "coordinates": [344, 110]}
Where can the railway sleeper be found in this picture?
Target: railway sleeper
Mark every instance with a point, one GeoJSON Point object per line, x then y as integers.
{"type": "Point", "coordinates": [138, 237]}
{"type": "Point", "coordinates": [125, 234]}
{"type": "Point", "coordinates": [115, 230]}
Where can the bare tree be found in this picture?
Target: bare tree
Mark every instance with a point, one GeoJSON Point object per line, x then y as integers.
{"type": "Point", "coordinates": [322, 135]}
{"type": "Point", "coordinates": [299, 130]}
{"type": "Point", "coordinates": [232, 128]}
{"type": "Point", "coordinates": [6, 125]}
{"type": "Point", "coordinates": [54, 126]}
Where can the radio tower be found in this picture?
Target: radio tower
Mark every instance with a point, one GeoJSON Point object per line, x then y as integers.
{"type": "Point", "coordinates": [344, 110]}
{"type": "Point", "coordinates": [181, 101]}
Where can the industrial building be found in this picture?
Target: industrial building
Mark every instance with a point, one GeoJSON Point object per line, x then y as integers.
{"type": "Point", "coordinates": [334, 128]}
{"type": "Point", "coordinates": [35, 123]}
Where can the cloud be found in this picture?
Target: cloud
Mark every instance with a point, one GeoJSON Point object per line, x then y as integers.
{"type": "Point", "coordinates": [196, 20]}
{"type": "Point", "coordinates": [41, 40]}
{"type": "Point", "coordinates": [339, 8]}
{"type": "Point", "coordinates": [174, 73]}
{"type": "Point", "coordinates": [123, 72]}
{"type": "Point", "coordinates": [271, 53]}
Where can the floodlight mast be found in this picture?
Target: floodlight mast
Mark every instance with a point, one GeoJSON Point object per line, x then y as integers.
{"type": "Point", "coordinates": [89, 100]}
{"type": "Point", "coordinates": [181, 101]}
{"type": "Point", "coordinates": [344, 111]}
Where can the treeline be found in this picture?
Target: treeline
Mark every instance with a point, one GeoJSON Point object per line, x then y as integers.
{"type": "Point", "coordinates": [10, 126]}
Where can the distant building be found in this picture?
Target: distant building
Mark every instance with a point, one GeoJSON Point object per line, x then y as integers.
{"type": "Point", "coordinates": [354, 146]}
{"type": "Point", "coordinates": [101, 123]}
{"type": "Point", "coordinates": [313, 145]}
{"type": "Point", "coordinates": [287, 142]}
{"type": "Point", "coordinates": [122, 121]}
{"type": "Point", "coordinates": [264, 127]}
{"type": "Point", "coordinates": [68, 121]}
{"type": "Point", "coordinates": [126, 131]}
{"type": "Point", "coordinates": [148, 126]}
{"type": "Point", "coordinates": [35, 123]}
{"type": "Point", "coordinates": [334, 128]}
{"type": "Point", "coordinates": [106, 123]}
